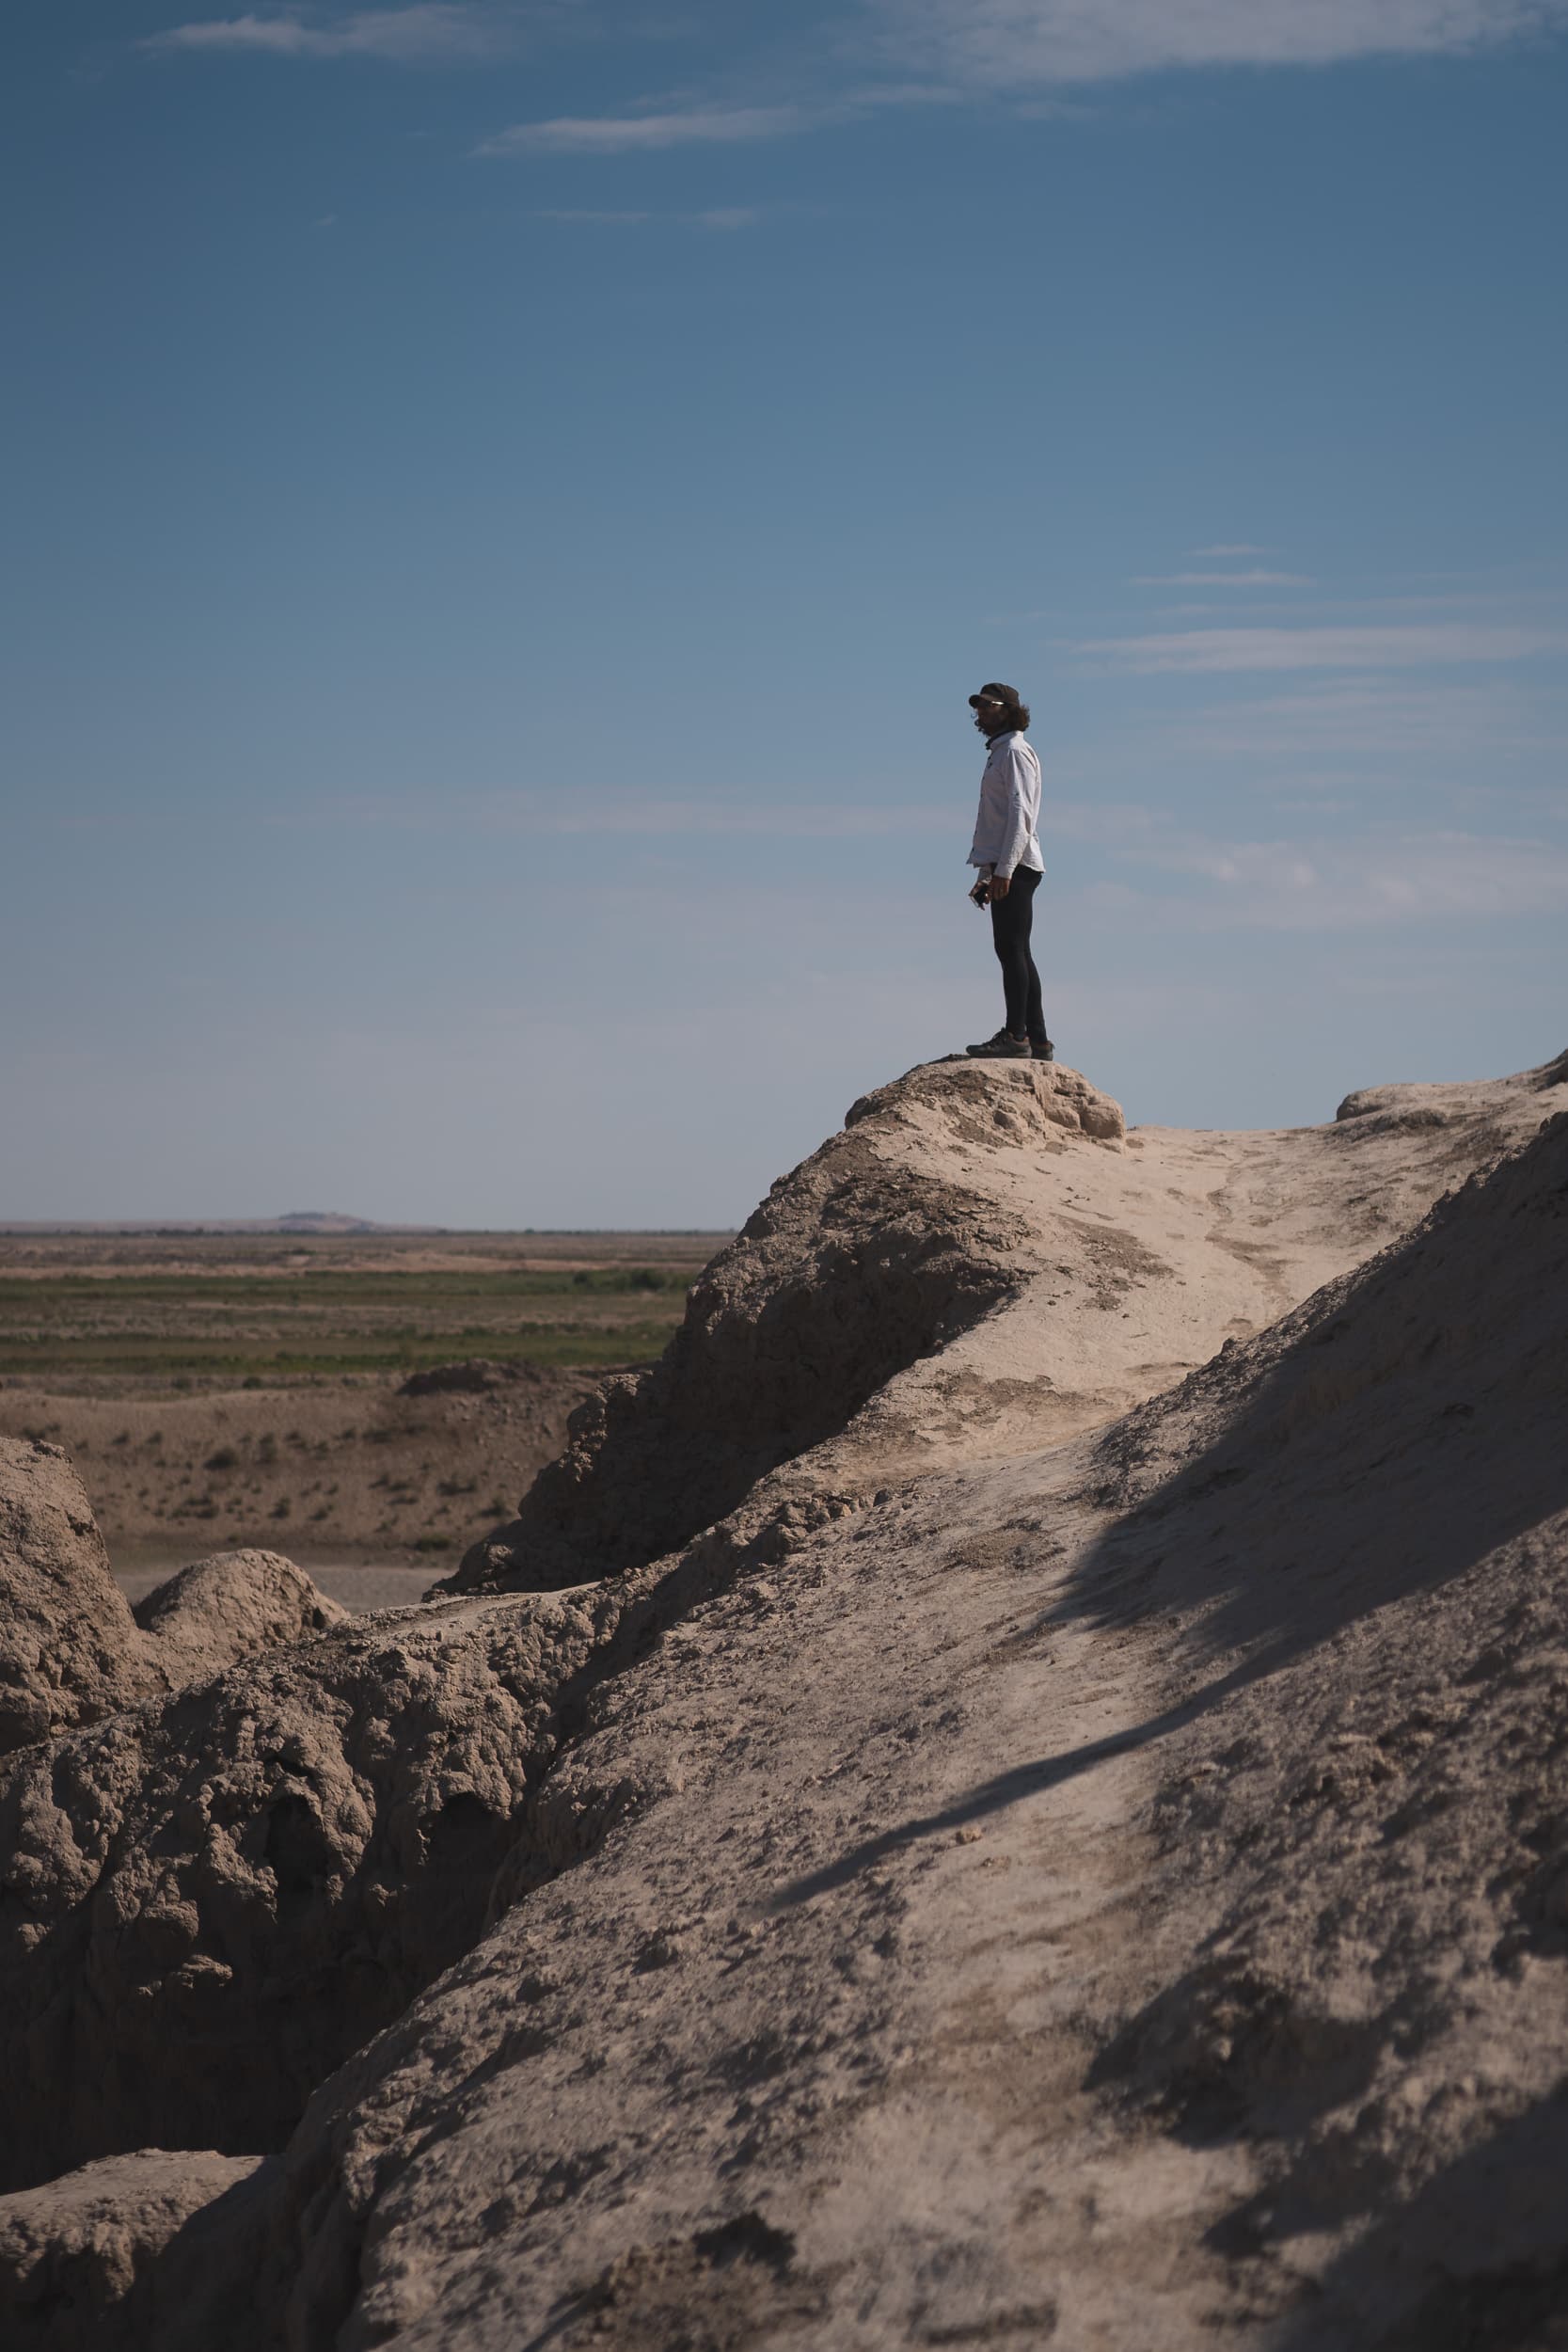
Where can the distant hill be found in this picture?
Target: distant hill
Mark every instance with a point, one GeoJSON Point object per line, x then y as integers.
{"type": "Point", "coordinates": [296, 1221]}
{"type": "Point", "coordinates": [321, 1221]}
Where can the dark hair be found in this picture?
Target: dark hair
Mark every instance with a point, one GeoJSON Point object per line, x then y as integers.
{"type": "Point", "coordinates": [1015, 711]}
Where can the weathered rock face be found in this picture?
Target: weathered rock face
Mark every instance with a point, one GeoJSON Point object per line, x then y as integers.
{"type": "Point", "coordinates": [77, 2259]}
{"type": "Point", "coordinates": [72, 1650]}
{"type": "Point", "coordinates": [265, 1870]}
{"type": "Point", "coordinates": [1456, 1103]}
{"type": "Point", "coordinates": [1179, 1812]}
{"type": "Point", "coordinates": [1267, 1945]}
{"type": "Point", "coordinates": [229, 1607]}
{"type": "Point", "coordinates": [982, 1262]}
{"type": "Point", "coordinates": [855, 1266]}
{"type": "Point", "coordinates": [205, 1904]}
{"type": "Point", "coordinates": [69, 1651]}
{"type": "Point", "coordinates": [1044, 1101]}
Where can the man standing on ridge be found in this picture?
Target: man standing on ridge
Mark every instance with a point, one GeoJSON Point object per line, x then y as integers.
{"type": "Point", "coordinates": [1006, 850]}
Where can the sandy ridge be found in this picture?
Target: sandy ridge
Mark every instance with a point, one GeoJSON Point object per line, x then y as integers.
{"type": "Point", "coordinates": [890, 2012]}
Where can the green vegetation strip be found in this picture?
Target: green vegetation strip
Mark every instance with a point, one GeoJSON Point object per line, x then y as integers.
{"type": "Point", "coordinates": [232, 1328]}
{"type": "Point", "coordinates": [630, 1343]}
{"type": "Point", "coordinates": [39, 1294]}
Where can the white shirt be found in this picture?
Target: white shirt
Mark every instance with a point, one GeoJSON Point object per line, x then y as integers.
{"type": "Point", "coordinates": [1005, 835]}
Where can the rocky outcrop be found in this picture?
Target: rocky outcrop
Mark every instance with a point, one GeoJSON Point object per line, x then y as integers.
{"type": "Point", "coordinates": [77, 2258]}
{"type": "Point", "coordinates": [857, 1265]}
{"type": "Point", "coordinates": [982, 1262]}
{"type": "Point", "coordinates": [72, 1650]}
{"type": "Point", "coordinates": [1109, 1894]}
{"type": "Point", "coordinates": [1043, 1101]}
{"type": "Point", "coordinates": [1454, 1102]}
{"type": "Point", "coordinates": [268, 1868]}
{"type": "Point", "coordinates": [69, 1650]}
{"type": "Point", "coordinates": [229, 1607]}
{"type": "Point", "coordinates": [1266, 1949]}
{"type": "Point", "coordinates": [206, 1904]}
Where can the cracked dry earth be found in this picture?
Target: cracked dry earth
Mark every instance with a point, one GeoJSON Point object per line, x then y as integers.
{"type": "Point", "coordinates": [1064, 1841]}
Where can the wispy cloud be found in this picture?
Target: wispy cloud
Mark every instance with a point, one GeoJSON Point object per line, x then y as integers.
{"type": "Point", "coordinates": [427, 32]}
{"type": "Point", "coordinates": [696, 125]}
{"type": "Point", "coordinates": [1196, 650]}
{"type": "Point", "coordinates": [1004, 44]}
{"type": "Point", "coordinates": [1223, 579]}
{"type": "Point", "coordinates": [617, 135]}
{"type": "Point", "coordinates": [934, 51]}
{"type": "Point", "coordinates": [1414, 878]}
{"type": "Point", "coordinates": [1240, 546]}
{"type": "Point", "coordinates": [1377, 719]}
{"type": "Point", "coordinates": [1374, 878]}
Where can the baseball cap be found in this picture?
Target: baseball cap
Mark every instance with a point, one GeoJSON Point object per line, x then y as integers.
{"type": "Point", "coordinates": [994, 693]}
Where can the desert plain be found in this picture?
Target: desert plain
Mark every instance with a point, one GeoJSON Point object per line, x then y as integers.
{"type": "Point", "coordinates": [1011, 1789]}
{"type": "Point", "coordinates": [244, 1386]}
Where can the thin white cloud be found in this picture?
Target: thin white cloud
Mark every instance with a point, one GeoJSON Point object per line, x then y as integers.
{"type": "Point", "coordinates": [711, 125]}
{"type": "Point", "coordinates": [1375, 719]}
{"type": "Point", "coordinates": [1346, 611]}
{"type": "Point", "coordinates": [1004, 44]}
{"type": "Point", "coordinates": [429, 31]}
{"type": "Point", "coordinates": [617, 135]}
{"type": "Point", "coordinates": [1223, 579]}
{"type": "Point", "coordinates": [1200, 650]}
{"type": "Point", "coordinates": [938, 51]}
{"type": "Point", "coordinates": [1415, 878]}
{"type": "Point", "coordinates": [1366, 880]}
{"type": "Point", "coordinates": [1240, 546]}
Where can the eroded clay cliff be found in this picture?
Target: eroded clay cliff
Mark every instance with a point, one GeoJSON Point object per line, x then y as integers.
{"type": "Point", "coordinates": [69, 1650]}
{"type": "Point", "coordinates": [990, 1878]}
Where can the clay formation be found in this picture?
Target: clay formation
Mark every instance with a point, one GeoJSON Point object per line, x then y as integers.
{"type": "Point", "coordinates": [1045, 1822]}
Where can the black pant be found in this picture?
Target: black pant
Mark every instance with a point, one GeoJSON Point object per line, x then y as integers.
{"type": "Point", "coordinates": [1011, 921]}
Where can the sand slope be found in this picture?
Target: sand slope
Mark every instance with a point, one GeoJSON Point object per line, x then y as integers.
{"type": "Point", "coordinates": [980, 1263]}
{"type": "Point", "coordinates": [996, 1885]}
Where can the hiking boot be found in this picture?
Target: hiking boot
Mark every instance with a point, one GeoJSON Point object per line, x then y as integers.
{"type": "Point", "coordinates": [1042, 1049]}
{"type": "Point", "coordinates": [1002, 1047]}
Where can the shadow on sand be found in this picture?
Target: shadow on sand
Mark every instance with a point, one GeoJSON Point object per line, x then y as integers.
{"type": "Point", "coordinates": [1381, 1441]}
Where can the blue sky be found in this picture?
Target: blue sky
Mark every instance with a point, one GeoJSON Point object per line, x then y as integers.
{"type": "Point", "coordinates": [507, 502]}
